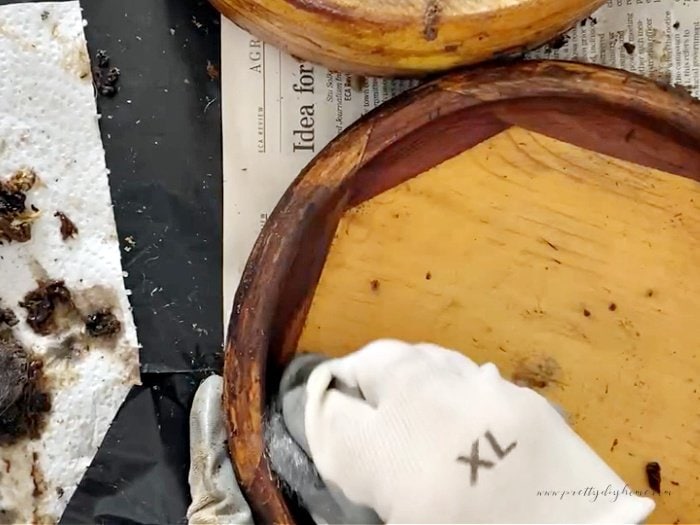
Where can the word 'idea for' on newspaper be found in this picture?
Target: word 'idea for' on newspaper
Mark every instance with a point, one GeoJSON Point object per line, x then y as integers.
{"type": "Point", "coordinates": [304, 134]}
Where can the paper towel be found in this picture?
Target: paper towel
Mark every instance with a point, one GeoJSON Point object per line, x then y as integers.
{"type": "Point", "coordinates": [48, 123]}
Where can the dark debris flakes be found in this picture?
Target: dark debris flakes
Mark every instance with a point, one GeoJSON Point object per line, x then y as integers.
{"type": "Point", "coordinates": [102, 323]}
{"type": "Point", "coordinates": [16, 218]}
{"type": "Point", "coordinates": [42, 302]}
{"type": "Point", "coordinates": [104, 76]}
{"type": "Point", "coordinates": [24, 404]}
{"type": "Point", "coordinates": [68, 227]}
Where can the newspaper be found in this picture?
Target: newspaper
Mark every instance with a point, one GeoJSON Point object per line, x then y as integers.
{"type": "Point", "coordinates": [278, 112]}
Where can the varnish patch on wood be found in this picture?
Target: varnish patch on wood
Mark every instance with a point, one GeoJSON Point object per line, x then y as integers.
{"type": "Point", "coordinates": [431, 19]}
{"type": "Point", "coordinates": [546, 255]}
{"type": "Point", "coordinates": [537, 372]}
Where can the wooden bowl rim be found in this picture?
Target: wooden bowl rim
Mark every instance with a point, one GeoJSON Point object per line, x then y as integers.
{"type": "Point", "coordinates": [270, 306]}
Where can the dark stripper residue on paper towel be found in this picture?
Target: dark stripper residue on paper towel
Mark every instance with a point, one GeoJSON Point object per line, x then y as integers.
{"type": "Point", "coordinates": [24, 400]}
{"type": "Point", "coordinates": [43, 303]}
{"type": "Point", "coordinates": [51, 309]}
{"type": "Point", "coordinates": [102, 323]}
{"type": "Point", "coordinates": [16, 217]}
{"type": "Point", "coordinates": [68, 227]}
{"type": "Point", "coordinates": [7, 318]}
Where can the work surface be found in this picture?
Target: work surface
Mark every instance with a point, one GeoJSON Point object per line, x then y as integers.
{"type": "Point", "coordinates": [162, 136]}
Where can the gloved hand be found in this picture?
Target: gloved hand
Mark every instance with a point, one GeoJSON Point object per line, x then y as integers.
{"type": "Point", "coordinates": [416, 432]}
{"type": "Point", "coordinates": [288, 451]}
{"type": "Point", "coordinates": [424, 435]}
{"type": "Point", "coordinates": [216, 496]}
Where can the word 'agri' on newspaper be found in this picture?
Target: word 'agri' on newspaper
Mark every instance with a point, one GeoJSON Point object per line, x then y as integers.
{"type": "Point", "coordinates": [278, 112]}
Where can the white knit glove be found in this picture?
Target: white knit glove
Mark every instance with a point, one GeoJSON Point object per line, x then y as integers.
{"type": "Point", "coordinates": [424, 435]}
{"type": "Point", "coordinates": [216, 497]}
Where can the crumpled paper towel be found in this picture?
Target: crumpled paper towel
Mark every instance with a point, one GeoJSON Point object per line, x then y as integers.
{"type": "Point", "coordinates": [48, 123]}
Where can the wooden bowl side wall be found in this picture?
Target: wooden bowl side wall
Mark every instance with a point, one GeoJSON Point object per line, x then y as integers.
{"type": "Point", "coordinates": [606, 110]}
{"type": "Point", "coordinates": [424, 40]}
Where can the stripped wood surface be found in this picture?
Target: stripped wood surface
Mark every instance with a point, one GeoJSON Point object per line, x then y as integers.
{"type": "Point", "coordinates": [576, 273]}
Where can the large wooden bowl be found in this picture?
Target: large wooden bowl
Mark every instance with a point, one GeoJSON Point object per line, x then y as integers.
{"type": "Point", "coordinates": [404, 37]}
{"type": "Point", "coordinates": [544, 216]}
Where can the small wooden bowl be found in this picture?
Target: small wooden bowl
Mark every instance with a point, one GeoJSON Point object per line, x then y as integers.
{"type": "Point", "coordinates": [544, 216]}
{"type": "Point", "coordinates": [404, 37]}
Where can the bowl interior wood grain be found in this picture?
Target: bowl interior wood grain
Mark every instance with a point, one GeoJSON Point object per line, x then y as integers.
{"type": "Point", "coordinates": [544, 216]}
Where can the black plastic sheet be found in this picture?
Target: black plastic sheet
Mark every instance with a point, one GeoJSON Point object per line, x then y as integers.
{"type": "Point", "coordinates": [139, 475]}
{"type": "Point", "coordinates": [162, 136]}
